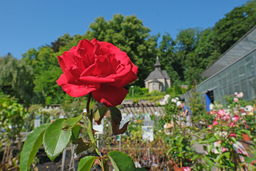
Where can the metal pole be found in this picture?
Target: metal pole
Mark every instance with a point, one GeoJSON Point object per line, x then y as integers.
{"type": "Point", "coordinates": [72, 162]}
{"type": "Point", "coordinates": [63, 159]}
{"type": "Point", "coordinates": [98, 142]}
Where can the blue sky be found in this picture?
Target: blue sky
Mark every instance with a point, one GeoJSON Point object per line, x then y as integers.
{"type": "Point", "coordinates": [26, 24]}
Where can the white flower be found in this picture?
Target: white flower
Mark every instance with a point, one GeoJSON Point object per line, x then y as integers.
{"type": "Point", "coordinates": [241, 94]}
{"type": "Point", "coordinates": [177, 98]}
{"type": "Point", "coordinates": [178, 103]}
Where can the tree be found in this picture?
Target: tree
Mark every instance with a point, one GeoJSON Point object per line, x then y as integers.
{"type": "Point", "coordinates": [168, 58]}
{"type": "Point", "coordinates": [61, 41]}
{"type": "Point", "coordinates": [16, 78]}
{"type": "Point", "coordinates": [207, 48]}
{"type": "Point", "coordinates": [46, 84]}
{"type": "Point", "coordinates": [187, 41]}
{"type": "Point", "coordinates": [235, 24]}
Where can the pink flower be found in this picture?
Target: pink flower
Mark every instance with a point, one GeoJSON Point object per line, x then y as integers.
{"type": "Point", "coordinates": [232, 124]}
{"type": "Point", "coordinates": [213, 112]}
{"type": "Point", "coordinates": [221, 113]}
{"type": "Point", "coordinates": [215, 122]}
{"type": "Point", "coordinates": [210, 126]}
{"type": "Point", "coordinates": [223, 149]}
{"type": "Point", "coordinates": [246, 126]}
{"type": "Point", "coordinates": [236, 99]}
{"type": "Point", "coordinates": [226, 117]}
{"type": "Point", "coordinates": [159, 131]}
{"type": "Point", "coordinates": [186, 168]}
{"type": "Point", "coordinates": [232, 135]}
{"type": "Point", "coordinates": [235, 118]}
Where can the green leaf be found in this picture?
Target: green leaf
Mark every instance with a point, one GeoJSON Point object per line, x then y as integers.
{"type": "Point", "coordinates": [75, 133]}
{"type": "Point", "coordinates": [56, 139]}
{"type": "Point", "coordinates": [211, 140]}
{"type": "Point", "coordinates": [219, 157]}
{"type": "Point", "coordinates": [116, 114]}
{"type": "Point", "coordinates": [209, 148]}
{"type": "Point", "coordinates": [33, 142]}
{"type": "Point", "coordinates": [100, 113]}
{"type": "Point", "coordinates": [82, 145]}
{"type": "Point", "coordinates": [220, 166]}
{"type": "Point", "coordinates": [249, 159]}
{"type": "Point", "coordinates": [179, 140]}
{"type": "Point", "coordinates": [170, 149]}
{"type": "Point", "coordinates": [85, 163]}
{"type": "Point", "coordinates": [233, 139]}
{"type": "Point", "coordinates": [244, 131]}
{"type": "Point", "coordinates": [209, 162]}
{"type": "Point", "coordinates": [180, 149]}
{"type": "Point", "coordinates": [194, 157]}
{"type": "Point", "coordinates": [209, 135]}
{"type": "Point", "coordinates": [71, 122]}
{"type": "Point", "coordinates": [121, 161]}
{"type": "Point", "coordinates": [192, 142]}
{"type": "Point", "coordinates": [227, 154]}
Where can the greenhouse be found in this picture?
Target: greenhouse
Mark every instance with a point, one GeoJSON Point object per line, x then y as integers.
{"type": "Point", "coordinates": [234, 71]}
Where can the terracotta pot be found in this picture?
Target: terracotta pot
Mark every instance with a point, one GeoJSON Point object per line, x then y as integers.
{"type": "Point", "coordinates": [177, 168]}
{"type": "Point", "coordinates": [246, 137]}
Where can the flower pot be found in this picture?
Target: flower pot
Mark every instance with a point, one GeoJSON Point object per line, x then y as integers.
{"type": "Point", "coordinates": [246, 137]}
{"type": "Point", "coordinates": [177, 168]}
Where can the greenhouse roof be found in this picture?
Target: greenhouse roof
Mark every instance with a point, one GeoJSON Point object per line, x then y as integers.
{"type": "Point", "coordinates": [240, 49]}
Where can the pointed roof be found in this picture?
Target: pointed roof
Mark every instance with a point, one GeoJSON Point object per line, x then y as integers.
{"type": "Point", "coordinates": [157, 64]}
{"type": "Point", "coordinates": [157, 73]}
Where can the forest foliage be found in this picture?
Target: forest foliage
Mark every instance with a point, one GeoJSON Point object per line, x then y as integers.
{"type": "Point", "coordinates": [32, 79]}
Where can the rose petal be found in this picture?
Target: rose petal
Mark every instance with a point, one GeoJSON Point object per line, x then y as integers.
{"type": "Point", "coordinates": [110, 96]}
{"type": "Point", "coordinates": [86, 45]}
{"type": "Point", "coordinates": [97, 80]}
{"type": "Point", "coordinates": [75, 90]}
{"type": "Point", "coordinates": [67, 73]}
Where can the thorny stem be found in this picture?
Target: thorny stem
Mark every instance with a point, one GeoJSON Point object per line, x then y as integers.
{"type": "Point", "coordinates": [90, 128]}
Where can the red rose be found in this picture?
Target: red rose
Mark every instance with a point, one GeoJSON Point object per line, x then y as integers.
{"type": "Point", "coordinates": [97, 67]}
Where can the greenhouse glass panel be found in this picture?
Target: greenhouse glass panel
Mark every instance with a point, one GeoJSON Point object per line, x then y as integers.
{"type": "Point", "coordinates": [216, 95]}
{"type": "Point", "coordinates": [229, 76]}
{"type": "Point", "coordinates": [252, 88]}
{"type": "Point", "coordinates": [244, 89]}
{"type": "Point", "coordinates": [219, 80]}
{"type": "Point", "coordinates": [214, 82]}
{"type": "Point", "coordinates": [234, 73]}
{"type": "Point", "coordinates": [254, 57]}
{"type": "Point", "coordinates": [236, 88]}
{"type": "Point", "coordinates": [241, 70]}
{"type": "Point", "coordinates": [226, 91]}
{"type": "Point", "coordinates": [249, 67]}
{"type": "Point", "coordinates": [221, 100]}
{"type": "Point", "coordinates": [223, 79]}
{"type": "Point", "coordinates": [230, 90]}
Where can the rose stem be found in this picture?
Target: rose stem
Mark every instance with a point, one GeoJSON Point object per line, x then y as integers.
{"type": "Point", "coordinates": [90, 128]}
